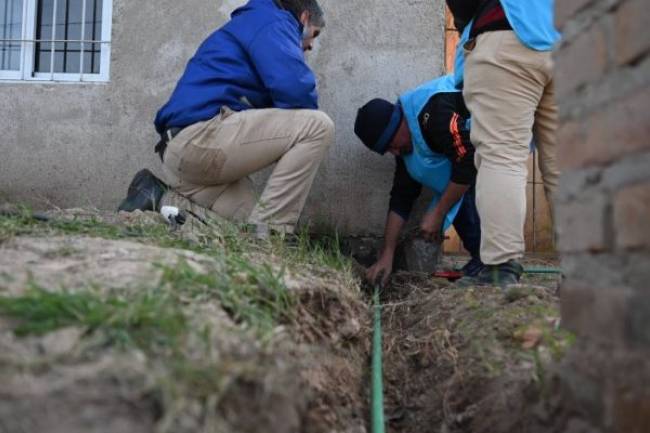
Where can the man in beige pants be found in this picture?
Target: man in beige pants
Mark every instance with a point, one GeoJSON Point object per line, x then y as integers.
{"type": "Point", "coordinates": [509, 91]}
{"type": "Point", "coordinates": [246, 100]}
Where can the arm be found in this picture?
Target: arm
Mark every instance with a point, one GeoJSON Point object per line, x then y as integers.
{"type": "Point", "coordinates": [402, 197]}
{"type": "Point", "coordinates": [384, 266]}
{"type": "Point", "coordinates": [463, 11]}
{"type": "Point", "coordinates": [276, 52]}
{"type": "Point", "coordinates": [433, 221]}
{"type": "Point", "coordinates": [446, 133]}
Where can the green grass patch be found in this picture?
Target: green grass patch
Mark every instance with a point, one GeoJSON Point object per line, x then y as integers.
{"type": "Point", "coordinates": [251, 291]}
{"type": "Point", "coordinates": [321, 250]}
{"type": "Point", "coordinates": [148, 319]}
{"type": "Point", "coordinates": [251, 294]}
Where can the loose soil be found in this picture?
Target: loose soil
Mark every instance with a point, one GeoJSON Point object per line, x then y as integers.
{"type": "Point", "coordinates": [456, 360]}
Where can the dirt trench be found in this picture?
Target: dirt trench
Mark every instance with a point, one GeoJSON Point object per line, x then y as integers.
{"type": "Point", "coordinates": [455, 360]}
{"type": "Point", "coordinates": [472, 360]}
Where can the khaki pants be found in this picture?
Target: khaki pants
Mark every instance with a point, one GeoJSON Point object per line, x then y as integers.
{"type": "Point", "coordinates": [509, 91]}
{"type": "Point", "coordinates": [209, 163]}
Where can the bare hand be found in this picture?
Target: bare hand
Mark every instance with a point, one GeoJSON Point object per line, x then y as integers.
{"type": "Point", "coordinates": [380, 271]}
{"type": "Point", "coordinates": [431, 227]}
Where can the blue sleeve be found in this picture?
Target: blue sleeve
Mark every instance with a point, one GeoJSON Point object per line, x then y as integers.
{"type": "Point", "coordinates": [276, 52]}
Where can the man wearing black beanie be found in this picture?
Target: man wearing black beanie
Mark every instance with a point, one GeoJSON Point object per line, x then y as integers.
{"type": "Point", "coordinates": [427, 131]}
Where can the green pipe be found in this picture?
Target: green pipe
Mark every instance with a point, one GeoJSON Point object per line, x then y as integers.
{"type": "Point", "coordinates": [538, 270]}
{"type": "Point", "coordinates": [542, 270]}
{"type": "Point", "coordinates": [378, 424]}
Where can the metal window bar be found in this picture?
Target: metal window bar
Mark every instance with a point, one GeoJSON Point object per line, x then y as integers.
{"type": "Point", "coordinates": [65, 35]}
{"type": "Point", "coordinates": [81, 44]}
{"type": "Point", "coordinates": [8, 41]}
{"type": "Point", "coordinates": [94, 35]}
{"type": "Point", "coordinates": [4, 34]}
{"type": "Point", "coordinates": [52, 45]}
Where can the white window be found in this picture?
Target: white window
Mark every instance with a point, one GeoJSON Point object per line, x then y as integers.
{"type": "Point", "coordinates": [55, 40]}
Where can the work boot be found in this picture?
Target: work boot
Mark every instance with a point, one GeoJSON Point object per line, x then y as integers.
{"type": "Point", "coordinates": [472, 268]}
{"type": "Point", "coordinates": [145, 193]}
{"type": "Point", "coordinates": [502, 275]}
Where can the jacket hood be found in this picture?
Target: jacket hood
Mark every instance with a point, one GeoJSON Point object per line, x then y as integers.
{"type": "Point", "coordinates": [253, 5]}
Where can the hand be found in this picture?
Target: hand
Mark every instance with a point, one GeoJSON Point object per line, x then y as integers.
{"type": "Point", "coordinates": [381, 270]}
{"type": "Point", "coordinates": [431, 227]}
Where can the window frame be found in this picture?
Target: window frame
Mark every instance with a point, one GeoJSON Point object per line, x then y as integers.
{"type": "Point", "coordinates": [28, 48]}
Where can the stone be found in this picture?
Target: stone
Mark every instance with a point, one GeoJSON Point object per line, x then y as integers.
{"type": "Point", "coordinates": [418, 255]}
{"type": "Point", "coordinates": [582, 224]}
{"type": "Point", "coordinates": [596, 314]}
{"type": "Point", "coordinates": [567, 9]}
{"type": "Point", "coordinates": [631, 216]}
{"type": "Point", "coordinates": [631, 35]}
{"type": "Point", "coordinates": [581, 61]}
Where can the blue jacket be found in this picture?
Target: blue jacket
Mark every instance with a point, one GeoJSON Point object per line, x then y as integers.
{"type": "Point", "coordinates": [532, 22]}
{"type": "Point", "coordinates": [431, 169]}
{"type": "Point", "coordinates": [253, 61]}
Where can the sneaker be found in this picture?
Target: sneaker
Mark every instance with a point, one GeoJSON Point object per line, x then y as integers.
{"type": "Point", "coordinates": [145, 193]}
{"type": "Point", "coordinates": [502, 275]}
{"type": "Point", "coordinates": [473, 267]}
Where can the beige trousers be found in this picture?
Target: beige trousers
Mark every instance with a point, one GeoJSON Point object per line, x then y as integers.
{"type": "Point", "coordinates": [509, 91]}
{"type": "Point", "coordinates": [209, 162]}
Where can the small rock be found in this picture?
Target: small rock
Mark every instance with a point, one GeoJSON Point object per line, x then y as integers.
{"type": "Point", "coordinates": [60, 342]}
{"type": "Point", "coordinates": [351, 329]}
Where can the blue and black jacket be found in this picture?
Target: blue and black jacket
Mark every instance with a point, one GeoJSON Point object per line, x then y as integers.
{"type": "Point", "coordinates": [254, 61]}
{"type": "Point", "coordinates": [439, 127]}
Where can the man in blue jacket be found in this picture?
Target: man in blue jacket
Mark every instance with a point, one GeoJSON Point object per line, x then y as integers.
{"type": "Point", "coordinates": [246, 100]}
{"type": "Point", "coordinates": [427, 131]}
{"type": "Point", "coordinates": [509, 91]}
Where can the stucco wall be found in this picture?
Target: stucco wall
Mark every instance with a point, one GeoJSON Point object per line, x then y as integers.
{"type": "Point", "coordinates": [80, 144]}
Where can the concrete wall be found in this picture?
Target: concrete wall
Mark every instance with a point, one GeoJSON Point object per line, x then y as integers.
{"type": "Point", "coordinates": [80, 144]}
{"type": "Point", "coordinates": [603, 210]}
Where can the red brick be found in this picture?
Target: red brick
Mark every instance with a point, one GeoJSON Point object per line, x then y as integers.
{"type": "Point", "coordinates": [632, 35]}
{"type": "Point", "coordinates": [571, 138]}
{"type": "Point", "coordinates": [632, 217]}
{"type": "Point", "coordinates": [566, 9]}
{"type": "Point", "coordinates": [594, 313]}
{"type": "Point", "coordinates": [632, 413]}
{"type": "Point", "coordinates": [581, 225]}
{"type": "Point", "coordinates": [609, 134]}
{"type": "Point", "coordinates": [581, 61]}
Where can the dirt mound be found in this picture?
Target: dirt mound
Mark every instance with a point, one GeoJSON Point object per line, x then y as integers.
{"type": "Point", "coordinates": [111, 323]}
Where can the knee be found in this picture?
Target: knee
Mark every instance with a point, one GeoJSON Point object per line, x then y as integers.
{"type": "Point", "coordinates": [323, 126]}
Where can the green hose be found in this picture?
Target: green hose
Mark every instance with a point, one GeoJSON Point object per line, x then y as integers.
{"type": "Point", "coordinates": [378, 424]}
{"type": "Point", "coordinates": [537, 270]}
{"type": "Point", "coordinates": [542, 270]}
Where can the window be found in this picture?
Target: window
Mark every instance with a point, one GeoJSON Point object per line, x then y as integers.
{"type": "Point", "coordinates": [55, 40]}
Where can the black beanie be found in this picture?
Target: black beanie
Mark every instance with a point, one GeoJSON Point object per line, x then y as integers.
{"type": "Point", "coordinates": [377, 123]}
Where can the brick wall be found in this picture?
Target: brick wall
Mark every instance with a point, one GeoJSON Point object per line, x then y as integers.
{"type": "Point", "coordinates": [603, 211]}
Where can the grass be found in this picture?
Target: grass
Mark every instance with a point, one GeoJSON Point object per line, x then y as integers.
{"type": "Point", "coordinates": [147, 319]}
{"type": "Point", "coordinates": [251, 294]}
{"type": "Point", "coordinates": [250, 289]}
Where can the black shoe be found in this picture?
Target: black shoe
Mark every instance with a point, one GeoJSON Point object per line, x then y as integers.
{"type": "Point", "coordinates": [472, 268]}
{"type": "Point", "coordinates": [145, 193]}
{"type": "Point", "coordinates": [502, 275]}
